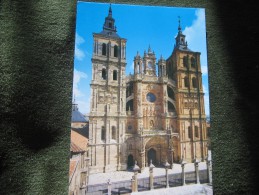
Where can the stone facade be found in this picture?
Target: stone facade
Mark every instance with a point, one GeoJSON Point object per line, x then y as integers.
{"type": "Point", "coordinates": [157, 113]}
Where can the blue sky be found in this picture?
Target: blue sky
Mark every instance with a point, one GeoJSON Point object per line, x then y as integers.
{"type": "Point", "coordinates": [142, 26]}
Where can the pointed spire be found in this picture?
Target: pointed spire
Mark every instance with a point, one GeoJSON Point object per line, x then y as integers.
{"type": "Point", "coordinates": [161, 57]}
{"type": "Point", "coordinates": [110, 11]}
{"type": "Point", "coordinates": [179, 26]}
{"type": "Point", "coordinates": [149, 49]}
{"type": "Point", "coordinates": [109, 25]}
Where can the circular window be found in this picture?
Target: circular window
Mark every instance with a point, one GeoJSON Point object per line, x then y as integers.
{"type": "Point", "coordinates": [151, 97]}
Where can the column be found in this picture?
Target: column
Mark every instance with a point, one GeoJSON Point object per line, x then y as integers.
{"type": "Point", "coordinates": [151, 177]}
{"type": "Point", "coordinates": [109, 187]}
{"type": "Point", "coordinates": [196, 166]}
{"type": "Point", "coordinates": [183, 174]}
{"type": "Point", "coordinates": [167, 165]}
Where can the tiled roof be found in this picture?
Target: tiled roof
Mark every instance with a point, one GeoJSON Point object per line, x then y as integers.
{"type": "Point", "coordinates": [75, 148]}
{"type": "Point", "coordinates": [79, 140]}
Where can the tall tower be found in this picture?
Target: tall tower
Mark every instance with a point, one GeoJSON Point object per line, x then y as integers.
{"type": "Point", "coordinates": [108, 94]}
{"type": "Point", "coordinates": [184, 67]}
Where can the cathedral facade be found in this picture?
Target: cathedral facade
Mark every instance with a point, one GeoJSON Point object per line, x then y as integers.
{"type": "Point", "coordinates": [155, 114]}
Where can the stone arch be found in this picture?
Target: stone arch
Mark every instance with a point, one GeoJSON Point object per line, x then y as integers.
{"type": "Point", "coordinates": [157, 148]}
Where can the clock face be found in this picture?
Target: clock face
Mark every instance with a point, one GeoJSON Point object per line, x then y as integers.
{"type": "Point", "coordinates": [151, 97]}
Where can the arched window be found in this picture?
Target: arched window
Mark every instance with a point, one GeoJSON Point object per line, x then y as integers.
{"type": "Point", "coordinates": [196, 131]}
{"type": "Point", "coordinates": [104, 74]}
{"type": "Point", "coordinates": [194, 82]}
{"type": "Point", "coordinates": [189, 132]}
{"type": "Point", "coordinates": [129, 105]}
{"type": "Point", "coordinates": [193, 63]}
{"type": "Point", "coordinates": [114, 132]}
{"type": "Point", "coordinates": [115, 75]}
{"type": "Point", "coordinates": [170, 93]}
{"type": "Point", "coordinates": [185, 61]}
{"type": "Point", "coordinates": [115, 51]}
{"type": "Point", "coordinates": [186, 81]}
{"type": "Point", "coordinates": [103, 134]}
{"type": "Point", "coordinates": [104, 49]}
{"type": "Point", "coordinates": [110, 25]}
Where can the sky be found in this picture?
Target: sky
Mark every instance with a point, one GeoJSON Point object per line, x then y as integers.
{"type": "Point", "coordinates": [142, 26]}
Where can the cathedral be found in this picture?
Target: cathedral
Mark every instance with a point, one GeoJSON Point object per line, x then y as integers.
{"type": "Point", "coordinates": [155, 114]}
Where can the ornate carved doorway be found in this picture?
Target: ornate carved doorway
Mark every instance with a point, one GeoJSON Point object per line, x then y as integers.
{"type": "Point", "coordinates": [151, 155]}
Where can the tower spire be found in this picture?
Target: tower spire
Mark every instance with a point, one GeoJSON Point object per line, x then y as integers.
{"type": "Point", "coordinates": [110, 11]}
{"type": "Point", "coordinates": [109, 25]}
{"type": "Point", "coordinates": [179, 26]}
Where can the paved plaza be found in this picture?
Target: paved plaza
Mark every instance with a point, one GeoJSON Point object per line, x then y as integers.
{"type": "Point", "coordinates": [194, 189]}
{"type": "Point", "coordinates": [100, 178]}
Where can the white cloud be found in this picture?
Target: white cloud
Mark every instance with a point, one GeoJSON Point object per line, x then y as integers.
{"type": "Point", "coordinates": [207, 105]}
{"type": "Point", "coordinates": [78, 76]}
{"type": "Point", "coordinates": [204, 69]}
{"type": "Point", "coordinates": [79, 54]}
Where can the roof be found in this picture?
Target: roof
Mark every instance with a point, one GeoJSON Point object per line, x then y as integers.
{"type": "Point", "coordinates": [109, 34]}
{"type": "Point", "coordinates": [76, 115]}
{"type": "Point", "coordinates": [79, 141]}
{"type": "Point", "coordinates": [75, 148]}
{"type": "Point", "coordinates": [183, 48]}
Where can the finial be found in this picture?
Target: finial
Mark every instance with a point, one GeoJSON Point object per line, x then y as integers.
{"type": "Point", "coordinates": [179, 27]}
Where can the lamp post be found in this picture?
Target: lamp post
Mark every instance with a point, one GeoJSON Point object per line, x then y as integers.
{"type": "Point", "coordinates": [167, 165]}
{"type": "Point", "coordinates": [151, 178]}
{"type": "Point", "coordinates": [183, 174]}
{"type": "Point", "coordinates": [196, 167]}
{"type": "Point", "coordinates": [136, 169]}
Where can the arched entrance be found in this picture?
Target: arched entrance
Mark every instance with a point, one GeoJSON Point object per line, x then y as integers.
{"type": "Point", "coordinates": [151, 155]}
{"type": "Point", "coordinates": [130, 161]}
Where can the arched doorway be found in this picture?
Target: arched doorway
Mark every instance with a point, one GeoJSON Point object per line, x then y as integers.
{"type": "Point", "coordinates": [130, 161]}
{"type": "Point", "coordinates": [151, 155]}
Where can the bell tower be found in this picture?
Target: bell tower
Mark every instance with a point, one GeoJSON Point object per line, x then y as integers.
{"type": "Point", "coordinates": [183, 66]}
{"type": "Point", "coordinates": [108, 94]}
